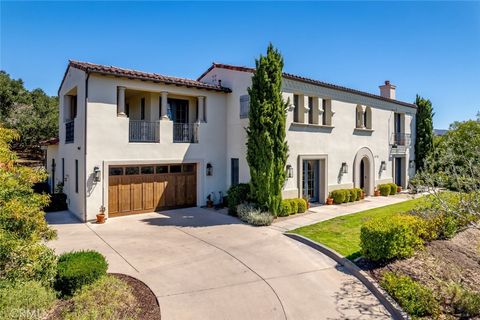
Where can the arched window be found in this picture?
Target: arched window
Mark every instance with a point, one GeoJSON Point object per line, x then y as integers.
{"type": "Point", "coordinates": [367, 118]}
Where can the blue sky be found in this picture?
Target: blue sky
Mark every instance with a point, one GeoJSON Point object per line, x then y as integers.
{"type": "Point", "coordinates": [429, 48]}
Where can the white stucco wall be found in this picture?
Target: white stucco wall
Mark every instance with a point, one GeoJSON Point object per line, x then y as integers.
{"type": "Point", "coordinates": [73, 151]}
{"type": "Point", "coordinates": [108, 140]}
{"type": "Point", "coordinates": [339, 144]}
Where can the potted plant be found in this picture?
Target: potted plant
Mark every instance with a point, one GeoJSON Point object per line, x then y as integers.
{"type": "Point", "coordinates": [307, 200]}
{"type": "Point", "coordinates": [101, 215]}
{"type": "Point", "coordinates": [209, 201]}
{"type": "Point", "coordinates": [329, 200]}
{"type": "Point", "coordinates": [377, 193]}
{"type": "Point", "coordinates": [399, 189]}
{"type": "Point", "coordinates": [362, 194]}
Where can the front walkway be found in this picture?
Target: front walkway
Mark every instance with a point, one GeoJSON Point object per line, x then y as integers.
{"type": "Point", "coordinates": [321, 213]}
{"type": "Point", "coordinates": [204, 265]}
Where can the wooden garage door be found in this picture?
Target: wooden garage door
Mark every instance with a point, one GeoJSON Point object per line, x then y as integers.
{"type": "Point", "coordinates": [146, 188]}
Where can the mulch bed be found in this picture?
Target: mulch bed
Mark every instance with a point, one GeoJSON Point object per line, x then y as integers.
{"type": "Point", "coordinates": [147, 302]}
{"type": "Point", "coordinates": [148, 308]}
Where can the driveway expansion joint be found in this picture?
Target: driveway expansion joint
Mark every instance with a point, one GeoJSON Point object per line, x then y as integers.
{"type": "Point", "coordinates": [243, 263]}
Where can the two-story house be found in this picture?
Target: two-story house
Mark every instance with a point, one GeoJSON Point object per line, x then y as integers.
{"type": "Point", "coordinates": [137, 142]}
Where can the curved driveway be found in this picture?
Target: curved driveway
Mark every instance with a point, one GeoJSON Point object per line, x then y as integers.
{"type": "Point", "coordinates": [205, 265]}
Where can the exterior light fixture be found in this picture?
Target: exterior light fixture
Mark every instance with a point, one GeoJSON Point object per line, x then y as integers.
{"type": "Point", "coordinates": [96, 174]}
{"type": "Point", "coordinates": [344, 167]}
{"type": "Point", "coordinates": [383, 166]}
{"type": "Point", "coordinates": [289, 171]}
{"type": "Point", "coordinates": [209, 169]}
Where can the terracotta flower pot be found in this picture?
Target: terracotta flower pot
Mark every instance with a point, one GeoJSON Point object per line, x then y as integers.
{"type": "Point", "coordinates": [209, 204]}
{"type": "Point", "coordinates": [362, 196]}
{"type": "Point", "coordinates": [329, 201]}
{"type": "Point", "coordinates": [377, 193]}
{"type": "Point", "coordinates": [399, 189]}
{"type": "Point", "coordinates": [101, 218]}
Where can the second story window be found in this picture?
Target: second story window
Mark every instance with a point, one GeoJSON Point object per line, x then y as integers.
{"type": "Point", "coordinates": [327, 112]}
{"type": "Point", "coordinates": [142, 109]}
{"type": "Point", "coordinates": [296, 111]}
{"type": "Point", "coordinates": [244, 106]}
{"type": "Point", "coordinates": [310, 110]}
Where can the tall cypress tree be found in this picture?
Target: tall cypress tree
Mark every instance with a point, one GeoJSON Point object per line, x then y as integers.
{"type": "Point", "coordinates": [267, 150]}
{"type": "Point", "coordinates": [424, 126]}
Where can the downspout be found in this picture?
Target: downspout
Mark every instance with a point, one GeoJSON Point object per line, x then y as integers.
{"type": "Point", "coordinates": [85, 148]}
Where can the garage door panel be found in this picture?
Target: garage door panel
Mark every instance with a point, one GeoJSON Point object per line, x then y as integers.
{"type": "Point", "coordinates": [148, 191]}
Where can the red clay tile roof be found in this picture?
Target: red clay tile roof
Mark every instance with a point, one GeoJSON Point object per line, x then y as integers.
{"type": "Point", "coordinates": [310, 81]}
{"type": "Point", "coordinates": [49, 142]}
{"type": "Point", "coordinates": [134, 74]}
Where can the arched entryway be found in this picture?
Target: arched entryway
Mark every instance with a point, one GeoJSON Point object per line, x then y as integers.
{"type": "Point", "coordinates": [363, 175]}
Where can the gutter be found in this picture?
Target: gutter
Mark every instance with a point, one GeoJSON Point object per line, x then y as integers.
{"type": "Point", "coordinates": [85, 149]}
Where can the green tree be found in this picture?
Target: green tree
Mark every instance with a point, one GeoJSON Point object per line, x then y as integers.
{"type": "Point", "coordinates": [267, 150]}
{"type": "Point", "coordinates": [424, 132]}
{"type": "Point", "coordinates": [33, 114]}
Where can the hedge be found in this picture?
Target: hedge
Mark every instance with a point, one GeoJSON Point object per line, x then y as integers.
{"type": "Point", "coordinates": [346, 195]}
{"type": "Point", "coordinates": [236, 195]}
{"type": "Point", "coordinates": [397, 237]}
{"type": "Point", "coordinates": [286, 208]}
{"type": "Point", "coordinates": [393, 188]}
{"type": "Point", "coordinates": [384, 189]}
{"type": "Point", "coordinates": [76, 269]}
{"type": "Point", "coordinates": [293, 206]}
{"type": "Point", "coordinates": [301, 205]}
{"type": "Point", "coordinates": [416, 299]}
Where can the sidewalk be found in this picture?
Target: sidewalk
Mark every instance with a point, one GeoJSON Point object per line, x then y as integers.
{"type": "Point", "coordinates": [324, 212]}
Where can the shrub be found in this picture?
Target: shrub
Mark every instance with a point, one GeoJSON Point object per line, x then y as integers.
{"type": "Point", "coordinates": [76, 269]}
{"type": "Point", "coordinates": [301, 205]}
{"type": "Point", "coordinates": [393, 188]}
{"type": "Point", "coordinates": [353, 195]}
{"type": "Point", "coordinates": [25, 300]}
{"type": "Point", "coordinates": [106, 298]}
{"type": "Point", "coordinates": [286, 208]}
{"type": "Point", "coordinates": [465, 302]}
{"type": "Point", "coordinates": [293, 206]}
{"type": "Point", "coordinates": [250, 214]}
{"type": "Point", "coordinates": [416, 299]}
{"type": "Point", "coordinates": [25, 260]}
{"type": "Point", "coordinates": [236, 195]}
{"type": "Point", "coordinates": [386, 239]}
{"type": "Point", "coordinates": [359, 193]}
{"type": "Point", "coordinates": [339, 196]}
{"type": "Point", "coordinates": [384, 189]}
{"type": "Point", "coordinates": [58, 202]}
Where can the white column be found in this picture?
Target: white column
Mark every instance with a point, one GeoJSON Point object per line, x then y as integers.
{"type": "Point", "coordinates": [121, 102]}
{"type": "Point", "coordinates": [164, 115]}
{"type": "Point", "coordinates": [201, 107]}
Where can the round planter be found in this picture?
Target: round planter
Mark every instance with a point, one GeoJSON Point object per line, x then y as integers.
{"type": "Point", "coordinates": [362, 196]}
{"type": "Point", "coordinates": [399, 189]}
{"type": "Point", "coordinates": [101, 218]}
{"type": "Point", "coordinates": [209, 204]}
{"type": "Point", "coordinates": [329, 201]}
{"type": "Point", "coordinates": [377, 193]}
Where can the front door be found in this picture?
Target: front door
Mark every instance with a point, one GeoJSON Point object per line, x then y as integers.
{"type": "Point", "coordinates": [310, 179]}
{"type": "Point", "coordinates": [398, 171]}
{"type": "Point", "coordinates": [362, 174]}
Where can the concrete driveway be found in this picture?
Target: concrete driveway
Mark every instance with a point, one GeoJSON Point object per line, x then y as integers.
{"type": "Point", "coordinates": [205, 265]}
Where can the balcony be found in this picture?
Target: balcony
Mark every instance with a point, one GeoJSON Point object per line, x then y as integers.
{"type": "Point", "coordinates": [144, 131]}
{"type": "Point", "coordinates": [69, 131]}
{"type": "Point", "coordinates": [400, 142]}
{"type": "Point", "coordinates": [185, 132]}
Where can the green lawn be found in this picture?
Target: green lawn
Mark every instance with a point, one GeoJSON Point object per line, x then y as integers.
{"type": "Point", "coordinates": [343, 233]}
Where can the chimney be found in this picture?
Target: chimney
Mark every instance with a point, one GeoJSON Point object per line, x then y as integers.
{"type": "Point", "coordinates": [387, 90]}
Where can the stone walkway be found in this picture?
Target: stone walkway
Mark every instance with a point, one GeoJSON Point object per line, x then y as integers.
{"type": "Point", "coordinates": [321, 213]}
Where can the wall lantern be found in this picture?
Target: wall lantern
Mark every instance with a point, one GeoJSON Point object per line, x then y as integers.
{"type": "Point", "coordinates": [383, 166]}
{"type": "Point", "coordinates": [289, 171]}
{"type": "Point", "coordinates": [344, 167]}
{"type": "Point", "coordinates": [96, 174]}
{"type": "Point", "coordinates": [209, 169]}
{"type": "Point", "coordinates": [412, 164]}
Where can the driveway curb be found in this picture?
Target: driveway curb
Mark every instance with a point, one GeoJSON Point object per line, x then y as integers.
{"type": "Point", "coordinates": [392, 307]}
